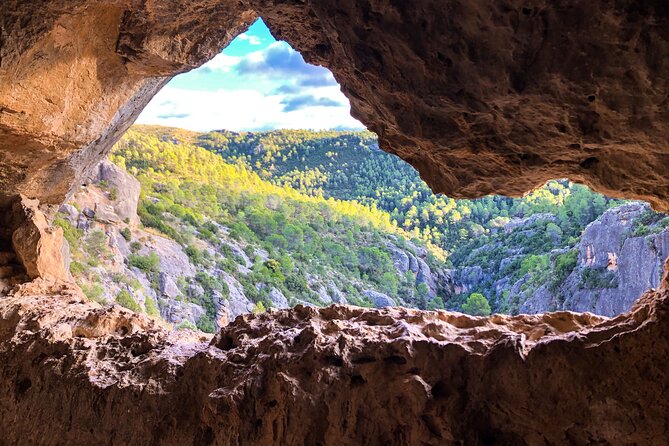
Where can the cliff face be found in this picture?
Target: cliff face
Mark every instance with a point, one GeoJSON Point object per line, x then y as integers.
{"type": "Point", "coordinates": [618, 259]}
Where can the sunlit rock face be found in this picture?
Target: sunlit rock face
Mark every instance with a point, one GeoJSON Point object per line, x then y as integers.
{"type": "Point", "coordinates": [481, 97]}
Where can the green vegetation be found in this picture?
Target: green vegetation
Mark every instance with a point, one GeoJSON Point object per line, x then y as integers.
{"type": "Point", "coordinates": [476, 305]}
{"type": "Point", "coordinates": [185, 325]}
{"type": "Point", "coordinates": [189, 192]}
{"type": "Point", "coordinates": [149, 263]}
{"type": "Point", "coordinates": [125, 299]}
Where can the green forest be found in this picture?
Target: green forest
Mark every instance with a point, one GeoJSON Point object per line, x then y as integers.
{"type": "Point", "coordinates": [330, 209]}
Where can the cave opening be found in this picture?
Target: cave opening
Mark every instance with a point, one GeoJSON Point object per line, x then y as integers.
{"type": "Point", "coordinates": [479, 97]}
{"type": "Point", "coordinates": [332, 218]}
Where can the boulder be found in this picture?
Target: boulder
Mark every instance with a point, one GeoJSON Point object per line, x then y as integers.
{"type": "Point", "coordinates": [40, 247]}
{"type": "Point", "coordinates": [167, 286]}
{"type": "Point", "coordinates": [175, 312]}
{"type": "Point", "coordinates": [126, 190]}
{"type": "Point", "coordinates": [277, 298]}
{"type": "Point", "coordinates": [106, 214]}
{"type": "Point", "coordinates": [379, 299]}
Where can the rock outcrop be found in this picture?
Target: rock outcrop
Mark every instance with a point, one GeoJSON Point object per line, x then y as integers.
{"type": "Point", "coordinates": [41, 248]}
{"type": "Point", "coordinates": [614, 265]}
{"type": "Point", "coordinates": [123, 187]}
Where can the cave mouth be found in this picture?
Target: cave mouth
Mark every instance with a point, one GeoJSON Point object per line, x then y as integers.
{"type": "Point", "coordinates": [561, 247]}
{"type": "Point", "coordinates": [418, 74]}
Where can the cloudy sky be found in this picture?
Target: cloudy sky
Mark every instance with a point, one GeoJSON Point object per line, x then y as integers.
{"type": "Point", "coordinates": [256, 83]}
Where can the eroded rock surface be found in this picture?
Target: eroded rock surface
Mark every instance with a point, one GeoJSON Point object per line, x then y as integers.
{"type": "Point", "coordinates": [481, 97]}
{"type": "Point", "coordinates": [75, 373]}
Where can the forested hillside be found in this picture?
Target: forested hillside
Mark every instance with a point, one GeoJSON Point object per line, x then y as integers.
{"type": "Point", "coordinates": [506, 248]}
{"type": "Point", "coordinates": [224, 223]}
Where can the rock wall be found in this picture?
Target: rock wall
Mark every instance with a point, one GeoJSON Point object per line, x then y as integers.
{"type": "Point", "coordinates": [614, 266]}
{"type": "Point", "coordinates": [492, 96]}
{"type": "Point", "coordinates": [80, 374]}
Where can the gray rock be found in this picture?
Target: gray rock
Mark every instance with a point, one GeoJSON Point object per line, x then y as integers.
{"type": "Point", "coordinates": [237, 303]}
{"type": "Point", "coordinates": [542, 300]}
{"type": "Point", "coordinates": [175, 312]}
{"type": "Point", "coordinates": [88, 213]}
{"type": "Point", "coordinates": [195, 289]}
{"type": "Point", "coordinates": [106, 214]}
{"type": "Point", "coordinates": [278, 299]}
{"type": "Point", "coordinates": [336, 294]}
{"type": "Point", "coordinates": [126, 186]}
{"type": "Point", "coordinates": [400, 258]}
{"type": "Point", "coordinates": [69, 213]}
{"type": "Point", "coordinates": [516, 222]}
{"type": "Point", "coordinates": [379, 299]}
{"type": "Point", "coordinates": [424, 275]}
{"type": "Point", "coordinates": [323, 295]}
{"type": "Point", "coordinates": [167, 286]}
{"type": "Point", "coordinates": [173, 259]}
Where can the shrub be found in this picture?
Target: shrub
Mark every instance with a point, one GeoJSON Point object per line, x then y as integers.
{"type": "Point", "coordinates": [127, 235]}
{"type": "Point", "coordinates": [186, 325]}
{"type": "Point", "coordinates": [151, 308]}
{"type": "Point", "coordinates": [476, 305]}
{"type": "Point", "coordinates": [148, 264]}
{"type": "Point", "coordinates": [594, 278]}
{"type": "Point", "coordinates": [206, 324]}
{"type": "Point", "coordinates": [77, 268]}
{"type": "Point", "coordinates": [124, 299]}
{"type": "Point", "coordinates": [96, 244]}
{"type": "Point", "coordinates": [72, 235]}
{"type": "Point", "coordinates": [94, 292]}
{"type": "Point", "coordinates": [259, 308]}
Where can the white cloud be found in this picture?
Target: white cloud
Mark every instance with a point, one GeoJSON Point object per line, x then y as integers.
{"type": "Point", "coordinates": [242, 110]}
{"type": "Point", "coordinates": [252, 40]}
{"type": "Point", "coordinates": [222, 62]}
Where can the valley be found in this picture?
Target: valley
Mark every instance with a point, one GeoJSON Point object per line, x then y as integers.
{"type": "Point", "coordinates": [195, 229]}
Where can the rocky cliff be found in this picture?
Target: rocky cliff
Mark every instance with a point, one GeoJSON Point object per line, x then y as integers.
{"type": "Point", "coordinates": [616, 258]}
{"type": "Point", "coordinates": [619, 257]}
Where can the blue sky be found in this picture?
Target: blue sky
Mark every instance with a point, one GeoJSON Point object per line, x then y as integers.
{"type": "Point", "coordinates": [256, 83]}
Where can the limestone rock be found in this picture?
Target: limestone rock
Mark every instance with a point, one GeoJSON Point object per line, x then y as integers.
{"type": "Point", "coordinates": [40, 247]}
{"type": "Point", "coordinates": [175, 312]}
{"type": "Point", "coordinates": [274, 378]}
{"type": "Point", "coordinates": [278, 299]}
{"type": "Point", "coordinates": [236, 302]}
{"type": "Point", "coordinates": [173, 259]}
{"type": "Point", "coordinates": [106, 214]}
{"type": "Point", "coordinates": [379, 300]}
{"type": "Point", "coordinates": [167, 286]}
{"type": "Point", "coordinates": [126, 190]}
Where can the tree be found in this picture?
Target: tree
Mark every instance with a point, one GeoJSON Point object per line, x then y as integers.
{"type": "Point", "coordinates": [476, 305]}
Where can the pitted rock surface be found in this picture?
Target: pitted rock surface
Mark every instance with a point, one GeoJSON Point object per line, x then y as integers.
{"type": "Point", "coordinates": [75, 373]}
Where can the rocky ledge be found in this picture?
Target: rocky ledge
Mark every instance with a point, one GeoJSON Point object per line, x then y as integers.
{"type": "Point", "coordinates": [73, 372]}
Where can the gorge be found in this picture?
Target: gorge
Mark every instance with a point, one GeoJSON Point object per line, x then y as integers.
{"type": "Point", "coordinates": [480, 97]}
